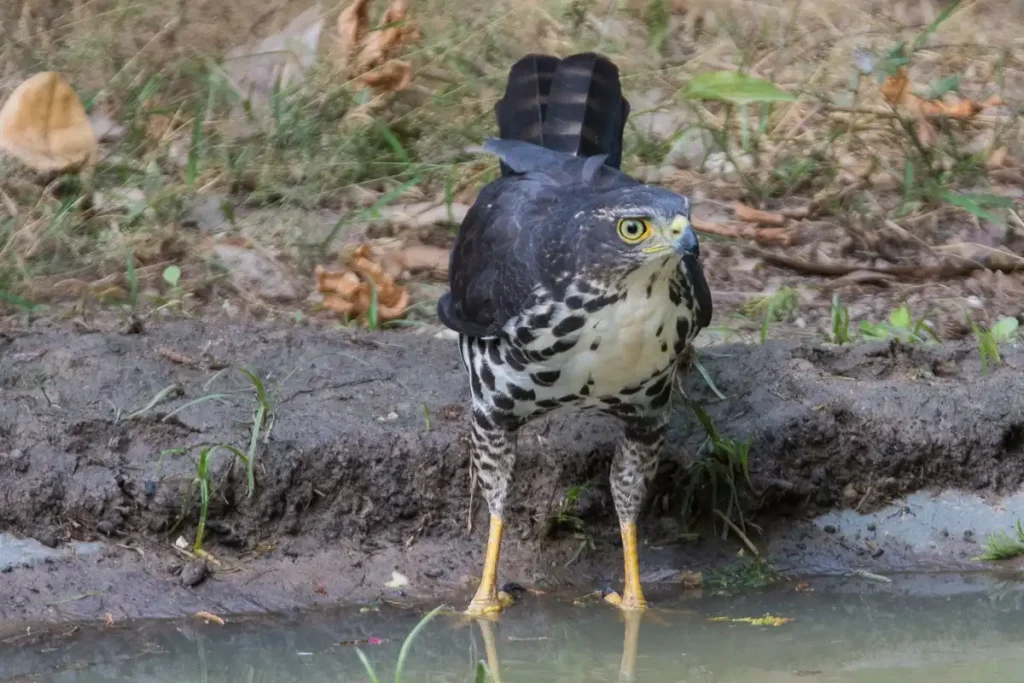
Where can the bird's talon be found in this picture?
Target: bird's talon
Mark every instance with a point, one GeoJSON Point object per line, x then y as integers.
{"type": "Point", "coordinates": [613, 598]}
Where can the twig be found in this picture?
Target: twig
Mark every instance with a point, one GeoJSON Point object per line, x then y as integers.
{"type": "Point", "coordinates": [962, 268]}
{"type": "Point", "coordinates": [743, 536]}
{"type": "Point", "coordinates": [782, 237]}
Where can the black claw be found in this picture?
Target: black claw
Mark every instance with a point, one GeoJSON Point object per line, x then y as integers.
{"type": "Point", "coordinates": [513, 589]}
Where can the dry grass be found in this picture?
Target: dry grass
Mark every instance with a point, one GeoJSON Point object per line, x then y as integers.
{"type": "Point", "coordinates": [838, 150]}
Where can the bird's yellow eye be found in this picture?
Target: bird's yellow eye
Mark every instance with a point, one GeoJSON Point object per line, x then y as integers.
{"type": "Point", "coordinates": [634, 230]}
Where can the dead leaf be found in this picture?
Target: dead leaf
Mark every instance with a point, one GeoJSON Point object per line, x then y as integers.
{"type": "Point", "coordinates": [391, 77]}
{"type": "Point", "coordinates": [108, 619]}
{"type": "Point", "coordinates": [368, 56]}
{"type": "Point", "coordinates": [398, 580]}
{"type": "Point", "coordinates": [751, 215]}
{"type": "Point", "coordinates": [44, 125]}
{"type": "Point", "coordinates": [897, 92]}
{"type": "Point", "coordinates": [350, 291]}
{"type": "Point", "coordinates": [209, 617]}
{"type": "Point", "coordinates": [766, 620]}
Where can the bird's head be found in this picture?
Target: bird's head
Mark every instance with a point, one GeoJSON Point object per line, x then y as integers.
{"type": "Point", "coordinates": [627, 228]}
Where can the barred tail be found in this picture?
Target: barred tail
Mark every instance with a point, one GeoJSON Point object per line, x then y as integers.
{"type": "Point", "coordinates": [574, 105]}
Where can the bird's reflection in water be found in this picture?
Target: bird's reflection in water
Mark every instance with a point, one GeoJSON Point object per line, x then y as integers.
{"type": "Point", "coordinates": [627, 665]}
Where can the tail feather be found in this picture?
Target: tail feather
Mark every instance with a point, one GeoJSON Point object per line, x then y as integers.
{"type": "Point", "coordinates": [573, 105]}
{"type": "Point", "coordinates": [521, 111]}
{"type": "Point", "coordinates": [586, 112]}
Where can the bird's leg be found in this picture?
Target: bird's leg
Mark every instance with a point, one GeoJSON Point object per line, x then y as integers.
{"type": "Point", "coordinates": [493, 458]}
{"type": "Point", "coordinates": [633, 467]}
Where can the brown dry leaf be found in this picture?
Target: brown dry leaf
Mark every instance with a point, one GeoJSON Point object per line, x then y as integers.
{"type": "Point", "coordinates": [897, 92]}
{"type": "Point", "coordinates": [350, 291]}
{"type": "Point", "coordinates": [108, 619]}
{"type": "Point", "coordinates": [367, 56]}
{"type": "Point", "coordinates": [391, 77]}
{"type": "Point", "coordinates": [44, 125]}
{"type": "Point", "coordinates": [751, 215]}
{"type": "Point", "coordinates": [209, 617]}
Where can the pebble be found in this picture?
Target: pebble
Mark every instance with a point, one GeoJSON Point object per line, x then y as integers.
{"type": "Point", "coordinates": [253, 273]}
{"type": "Point", "coordinates": [194, 572]}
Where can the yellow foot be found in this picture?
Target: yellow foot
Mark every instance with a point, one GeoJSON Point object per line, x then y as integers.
{"type": "Point", "coordinates": [487, 606]}
{"type": "Point", "coordinates": [631, 603]}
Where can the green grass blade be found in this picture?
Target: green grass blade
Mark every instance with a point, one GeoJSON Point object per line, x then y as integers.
{"type": "Point", "coordinates": [404, 652]}
{"type": "Point", "coordinates": [369, 667]}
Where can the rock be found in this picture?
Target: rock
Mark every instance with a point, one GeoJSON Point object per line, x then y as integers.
{"type": "Point", "coordinates": [255, 273]}
{"type": "Point", "coordinates": [194, 572]}
{"type": "Point", "coordinates": [206, 213]}
{"type": "Point", "coordinates": [691, 149]}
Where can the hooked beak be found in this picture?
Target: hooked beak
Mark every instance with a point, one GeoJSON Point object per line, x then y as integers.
{"type": "Point", "coordinates": [684, 237]}
{"type": "Point", "coordinates": [679, 236]}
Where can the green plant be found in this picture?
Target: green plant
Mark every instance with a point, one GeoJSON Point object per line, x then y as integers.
{"type": "Point", "coordinates": [1001, 546]}
{"type": "Point", "coordinates": [404, 651]}
{"type": "Point", "coordinates": [1003, 331]}
{"type": "Point", "coordinates": [722, 462]}
{"type": "Point", "coordinates": [840, 317]}
{"type": "Point", "coordinates": [203, 482]}
{"type": "Point", "coordinates": [757, 573]}
{"type": "Point", "coordinates": [901, 326]}
{"type": "Point", "coordinates": [566, 517]}
{"type": "Point", "coordinates": [777, 307]}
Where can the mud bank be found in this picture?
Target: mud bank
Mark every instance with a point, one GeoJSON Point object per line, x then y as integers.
{"type": "Point", "coordinates": [366, 470]}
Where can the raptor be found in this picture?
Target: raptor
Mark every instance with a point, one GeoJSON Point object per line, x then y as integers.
{"type": "Point", "coordinates": [571, 286]}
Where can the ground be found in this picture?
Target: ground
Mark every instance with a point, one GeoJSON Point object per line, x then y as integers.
{"type": "Point", "coordinates": [361, 468]}
{"type": "Point", "coordinates": [360, 456]}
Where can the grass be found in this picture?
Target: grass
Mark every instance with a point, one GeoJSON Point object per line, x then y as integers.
{"type": "Point", "coordinates": [1002, 546]}
{"type": "Point", "coordinates": [481, 674]}
{"type": "Point", "coordinates": [262, 425]}
{"type": "Point", "coordinates": [1002, 331]}
{"type": "Point", "coordinates": [790, 112]}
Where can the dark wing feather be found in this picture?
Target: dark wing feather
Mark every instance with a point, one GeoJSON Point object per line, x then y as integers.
{"type": "Point", "coordinates": [493, 268]}
{"type": "Point", "coordinates": [586, 112]}
{"type": "Point", "coordinates": [701, 290]}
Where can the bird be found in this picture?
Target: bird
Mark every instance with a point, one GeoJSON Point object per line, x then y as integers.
{"type": "Point", "coordinates": [571, 286]}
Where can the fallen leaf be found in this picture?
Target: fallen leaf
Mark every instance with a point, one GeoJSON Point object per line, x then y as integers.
{"type": "Point", "coordinates": [368, 56]}
{"type": "Point", "coordinates": [766, 620]}
{"type": "Point", "coordinates": [391, 77]}
{"type": "Point", "coordinates": [752, 215]}
{"type": "Point", "coordinates": [44, 125]}
{"type": "Point", "coordinates": [108, 619]}
{"type": "Point", "coordinates": [209, 617]}
{"type": "Point", "coordinates": [897, 92]}
{"type": "Point", "coordinates": [398, 580]}
{"type": "Point", "coordinates": [350, 291]}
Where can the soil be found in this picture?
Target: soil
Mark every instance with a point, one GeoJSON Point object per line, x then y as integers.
{"type": "Point", "coordinates": [366, 467]}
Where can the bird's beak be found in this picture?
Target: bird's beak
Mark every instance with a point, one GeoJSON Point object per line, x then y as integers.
{"type": "Point", "coordinates": [684, 238]}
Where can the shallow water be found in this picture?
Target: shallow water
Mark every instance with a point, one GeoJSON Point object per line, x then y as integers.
{"type": "Point", "coordinates": [935, 629]}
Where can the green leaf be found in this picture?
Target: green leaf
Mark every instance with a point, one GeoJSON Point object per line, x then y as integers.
{"type": "Point", "coordinates": [977, 204]}
{"type": "Point", "coordinates": [171, 275]}
{"type": "Point", "coordinates": [1004, 329]}
{"type": "Point", "coordinates": [943, 86]}
{"type": "Point", "coordinates": [734, 87]}
{"type": "Point", "coordinates": [900, 318]}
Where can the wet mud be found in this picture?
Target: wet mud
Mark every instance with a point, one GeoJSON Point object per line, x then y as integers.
{"type": "Point", "coordinates": [365, 468]}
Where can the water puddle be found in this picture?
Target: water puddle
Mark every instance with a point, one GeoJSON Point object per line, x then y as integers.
{"type": "Point", "coordinates": [935, 629]}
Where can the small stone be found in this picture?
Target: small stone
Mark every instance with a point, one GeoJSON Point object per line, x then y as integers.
{"type": "Point", "coordinates": [48, 539]}
{"type": "Point", "coordinates": [194, 572]}
{"type": "Point", "coordinates": [106, 527]}
{"type": "Point", "coordinates": [254, 273]}
{"type": "Point", "coordinates": [206, 213]}
{"type": "Point", "coordinates": [434, 573]}
{"type": "Point", "coordinates": [691, 149]}
{"type": "Point", "coordinates": [830, 529]}
{"type": "Point", "coordinates": [850, 494]}
{"type": "Point", "coordinates": [877, 552]}
{"type": "Point", "coordinates": [872, 526]}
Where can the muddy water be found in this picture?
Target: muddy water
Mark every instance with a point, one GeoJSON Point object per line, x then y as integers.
{"type": "Point", "coordinates": [935, 629]}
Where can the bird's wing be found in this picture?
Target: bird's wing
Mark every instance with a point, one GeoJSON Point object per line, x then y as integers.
{"type": "Point", "coordinates": [493, 267]}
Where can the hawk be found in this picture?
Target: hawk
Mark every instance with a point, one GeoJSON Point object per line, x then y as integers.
{"type": "Point", "coordinates": [571, 285]}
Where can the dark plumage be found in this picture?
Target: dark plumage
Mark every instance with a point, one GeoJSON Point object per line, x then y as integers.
{"type": "Point", "coordinates": [571, 284]}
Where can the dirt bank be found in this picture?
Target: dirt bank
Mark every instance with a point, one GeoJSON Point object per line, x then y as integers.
{"type": "Point", "coordinates": [366, 469]}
